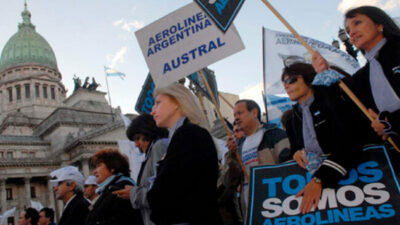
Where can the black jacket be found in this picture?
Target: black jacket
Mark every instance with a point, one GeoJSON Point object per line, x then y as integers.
{"type": "Point", "coordinates": [185, 189]}
{"type": "Point", "coordinates": [76, 211]}
{"type": "Point", "coordinates": [389, 58]}
{"type": "Point", "coordinates": [111, 210]}
{"type": "Point", "coordinates": [331, 112]}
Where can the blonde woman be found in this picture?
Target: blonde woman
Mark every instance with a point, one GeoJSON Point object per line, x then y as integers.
{"type": "Point", "coordinates": [184, 191]}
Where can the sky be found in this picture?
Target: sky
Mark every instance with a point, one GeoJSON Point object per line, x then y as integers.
{"type": "Point", "coordinates": [87, 35]}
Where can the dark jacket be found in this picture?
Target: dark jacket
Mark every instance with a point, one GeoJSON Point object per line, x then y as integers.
{"type": "Point", "coordinates": [111, 210]}
{"type": "Point", "coordinates": [331, 113]}
{"type": "Point", "coordinates": [76, 211]}
{"type": "Point", "coordinates": [185, 187]}
{"type": "Point", "coordinates": [389, 58]}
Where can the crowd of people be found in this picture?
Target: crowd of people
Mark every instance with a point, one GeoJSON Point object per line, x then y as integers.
{"type": "Point", "coordinates": [182, 182]}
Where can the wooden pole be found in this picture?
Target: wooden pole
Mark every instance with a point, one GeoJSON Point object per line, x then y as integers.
{"type": "Point", "coordinates": [341, 83]}
{"type": "Point", "coordinates": [224, 124]}
{"type": "Point", "coordinates": [202, 104]}
{"type": "Point", "coordinates": [226, 101]}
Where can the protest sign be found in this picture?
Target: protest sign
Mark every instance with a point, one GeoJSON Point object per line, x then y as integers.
{"type": "Point", "coordinates": [199, 83]}
{"type": "Point", "coordinates": [145, 101]}
{"type": "Point", "coordinates": [370, 194]}
{"type": "Point", "coordinates": [283, 49]}
{"type": "Point", "coordinates": [183, 42]}
{"type": "Point", "coordinates": [222, 12]}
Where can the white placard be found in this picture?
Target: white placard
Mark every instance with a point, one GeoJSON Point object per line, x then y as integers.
{"type": "Point", "coordinates": [183, 42]}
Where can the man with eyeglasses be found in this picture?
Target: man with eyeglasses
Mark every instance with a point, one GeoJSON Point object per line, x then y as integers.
{"type": "Point", "coordinates": [68, 187]}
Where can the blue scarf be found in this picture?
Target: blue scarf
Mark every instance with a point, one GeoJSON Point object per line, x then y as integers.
{"type": "Point", "coordinates": [109, 179]}
{"type": "Point", "coordinates": [384, 96]}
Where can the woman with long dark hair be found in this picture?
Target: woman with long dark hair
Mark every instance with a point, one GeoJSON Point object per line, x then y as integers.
{"type": "Point", "coordinates": [377, 84]}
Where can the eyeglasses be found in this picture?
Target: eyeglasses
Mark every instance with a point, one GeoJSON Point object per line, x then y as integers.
{"type": "Point", "coordinates": [290, 80]}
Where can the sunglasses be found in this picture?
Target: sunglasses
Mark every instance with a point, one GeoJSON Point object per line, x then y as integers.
{"type": "Point", "coordinates": [290, 80]}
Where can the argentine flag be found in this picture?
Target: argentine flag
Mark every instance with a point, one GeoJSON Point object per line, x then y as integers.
{"type": "Point", "coordinates": [112, 73]}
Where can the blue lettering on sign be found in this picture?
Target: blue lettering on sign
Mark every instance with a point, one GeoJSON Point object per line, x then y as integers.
{"type": "Point", "coordinates": [220, 5]}
{"type": "Point", "coordinates": [367, 169]}
{"type": "Point", "coordinates": [192, 54]}
{"type": "Point", "coordinates": [387, 210]}
{"type": "Point", "coordinates": [177, 32]}
{"type": "Point", "coordinates": [149, 100]}
{"type": "Point", "coordinates": [338, 216]}
{"type": "Point", "coordinates": [369, 173]}
{"type": "Point", "coordinates": [272, 185]}
{"type": "Point", "coordinates": [300, 183]}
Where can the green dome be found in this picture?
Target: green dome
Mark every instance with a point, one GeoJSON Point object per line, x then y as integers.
{"type": "Point", "coordinates": [27, 47]}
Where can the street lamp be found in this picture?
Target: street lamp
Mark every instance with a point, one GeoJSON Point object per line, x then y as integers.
{"type": "Point", "coordinates": [346, 41]}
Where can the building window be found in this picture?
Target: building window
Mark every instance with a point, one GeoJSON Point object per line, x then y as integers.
{"type": "Point", "coordinates": [9, 155]}
{"type": "Point", "coordinates": [52, 93]}
{"type": "Point", "coordinates": [18, 92]}
{"type": "Point", "coordinates": [9, 193]}
{"type": "Point", "coordinates": [1, 154]}
{"type": "Point", "coordinates": [27, 91]}
{"type": "Point", "coordinates": [37, 92]}
{"type": "Point", "coordinates": [31, 155]}
{"type": "Point", "coordinates": [10, 97]}
{"type": "Point", "coordinates": [44, 91]}
{"type": "Point", "coordinates": [33, 192]}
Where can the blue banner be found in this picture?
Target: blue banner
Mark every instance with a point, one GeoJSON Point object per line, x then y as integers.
{"type": "Point", "coordinates": [145, 101]}
{"type": "Point", "coordinates": [369, 195]}
{"type": "Point", "coordinates": [222, 12]}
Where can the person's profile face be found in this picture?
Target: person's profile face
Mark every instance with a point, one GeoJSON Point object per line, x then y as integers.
{"type": "Point", "coordinates": [296, 88]}
{"type": "Point", "coordinates": [237, 132]}
{"type": "Point", "coordinates": [43, 220]}
{"type": "Point", "coordinates": [363, 32]}
{"type": "Point", "coordinates": [164, 111]}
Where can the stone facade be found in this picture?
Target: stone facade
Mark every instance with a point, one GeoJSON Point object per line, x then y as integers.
{"type": "Point", "coordinates": [40, 128]}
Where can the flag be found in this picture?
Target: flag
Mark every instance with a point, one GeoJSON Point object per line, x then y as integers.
{"type": "Point", "coordinates": [283, 49]}
{"type": "Point", "coordinates": [113, 73]}
{"type": "Point", "coordinates": [6, 214]}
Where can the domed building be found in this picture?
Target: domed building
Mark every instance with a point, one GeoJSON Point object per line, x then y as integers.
{"type": "Point", "coordinates": [40, 128]}
{"type": "Point", "coordinates": [30, 82]}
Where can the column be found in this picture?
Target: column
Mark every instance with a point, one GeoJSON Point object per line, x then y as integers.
{"type": "Point", "coordinates": [85, 167]}
{"type": "Point", "coordinates": [60, 208]}
{"type": "Point", "coordinates": [52, 203]}
{"type": "Point", "coordinates": [28, 191]}
{"type": "Point", "coordinates": [3, 195]}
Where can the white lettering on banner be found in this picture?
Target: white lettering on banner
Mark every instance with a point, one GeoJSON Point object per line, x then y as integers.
{"type": "Point", "coordinates": [184, 42]}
